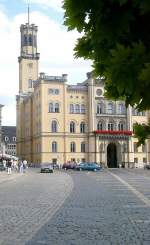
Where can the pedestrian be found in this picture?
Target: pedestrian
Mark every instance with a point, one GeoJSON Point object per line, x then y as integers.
{"type": "Point", "coordinates": [4, 163]}
{"type": "Point", "coordinates": [25, 164]}
{"type": "Point", "coordinates": [21, 167]}
{"type": "Point", "coordinates": [15, 166]}
{"type": "Point", "coordinates": [9, 166]}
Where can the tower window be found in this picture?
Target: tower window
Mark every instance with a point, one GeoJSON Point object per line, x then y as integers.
{"type": "Point", "coordinates": [25, 40]}
{"type": "Point", "coordinates": [30, 40]}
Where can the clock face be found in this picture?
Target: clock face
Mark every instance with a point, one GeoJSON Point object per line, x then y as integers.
{"type": "Point", "coordinates": [99, 92]}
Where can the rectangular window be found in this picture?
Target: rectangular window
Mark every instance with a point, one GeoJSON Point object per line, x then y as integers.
{"type": "Point", "coordinates": [53, 91]}
{"type": "Point", "coordinates": [110, 126]}
{"type": "Point", "coordinates": [30, 83]}
{"type": "Point", "coordinates": [135, 160]}
{"type": "Point", "coordinates": [144, 160]}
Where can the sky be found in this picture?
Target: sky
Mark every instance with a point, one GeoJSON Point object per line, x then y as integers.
{"type": "Point", "coordinates": [55, 45]}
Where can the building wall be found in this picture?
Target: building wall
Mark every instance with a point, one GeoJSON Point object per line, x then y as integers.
{"type": "Point", "coordinates": [9, 140]}
{"type": "Point", "coordinates": [34, 117]}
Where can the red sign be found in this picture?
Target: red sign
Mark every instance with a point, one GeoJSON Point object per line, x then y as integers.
{"type": "Point", "coordinates": [122, 132]}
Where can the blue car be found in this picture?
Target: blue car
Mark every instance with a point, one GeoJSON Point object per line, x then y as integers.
{"type": "Point", "coordinates": [88, 166]}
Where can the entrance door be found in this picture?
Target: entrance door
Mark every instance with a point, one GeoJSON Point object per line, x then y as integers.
{"type": "Point", "coordinates": [112, 156]}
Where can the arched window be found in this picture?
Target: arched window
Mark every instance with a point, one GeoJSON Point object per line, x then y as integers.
{"type": "Point", "coordinates": [82, 108]}
{"type": "Point", "coordinates": [77, 108]}
{"type": "Point", "coordinates": [56, 107]}
{"type": "Point", "coordinates": [82, 147]}
{"type": "Point", "coordinates": [120, 108]}
{"type": "Point", "coordinates": [54, 127]}
{"type": "Point", "coordinates": [120, 126]}
{"type": "Point", "coordinates": [72, 127]}
{"type": "Point", "coordinates": [71, 108]}
{"type": "Point", "coordinates": [100, 126]}
{"type": "Point", "coordinates": [110, 108]}
{"type": "Point", "coordinates": [25, 40]}
{"type": "Point", "coordinates": [100, 108]}
{"type": "Point", "coordinates": [30, 40]}
{"type": "Point", "coordinates": [110, 126]}
{"type": "Point", "coordinates": [54, 146]}
{"type": "Point", "coordinates": [50, 107]}
{"type": "Point", "coordinates": [82, 127]}
{"type": "Point", "coordinates": [73, 147]}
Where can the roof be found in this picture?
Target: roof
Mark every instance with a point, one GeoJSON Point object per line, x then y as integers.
{"type": "Point", "coordinates": [10, 132]}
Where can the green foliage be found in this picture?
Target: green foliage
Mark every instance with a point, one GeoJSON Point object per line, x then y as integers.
{"type": "Point", "coordinates": [116, 37]}
{"type": "Point", "coordinates": [142, 132]}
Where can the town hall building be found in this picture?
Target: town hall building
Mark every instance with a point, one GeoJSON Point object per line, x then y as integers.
{"type": "Point", "coordinates": [58, 122]}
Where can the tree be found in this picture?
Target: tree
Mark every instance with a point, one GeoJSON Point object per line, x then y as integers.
{"type": "Point", "coordinates": [116, 37]}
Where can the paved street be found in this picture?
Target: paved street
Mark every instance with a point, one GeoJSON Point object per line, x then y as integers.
{"type": "Point", "coordinates": [76, 208]}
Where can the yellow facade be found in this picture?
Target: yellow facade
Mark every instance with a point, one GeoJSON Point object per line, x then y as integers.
{"type": "Point", "coordinates": [59, 123]}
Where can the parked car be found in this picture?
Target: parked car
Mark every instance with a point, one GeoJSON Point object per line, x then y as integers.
{"type": "Point", "coordinates": [2, 168]}
{"type": "Point", "coordinates": [147, 166]}
{"type": "Point", "coordinates": [47, 168]}
{"type": "Point", "coordinates": [55, 165]}
{"type": "Point", "coordinates": [88, 166]}
{"type": "Point", "coordinates": [70, 165]}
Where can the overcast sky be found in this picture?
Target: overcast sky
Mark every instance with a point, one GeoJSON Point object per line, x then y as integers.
{"type": "Point", "coordinates": [55, 46]}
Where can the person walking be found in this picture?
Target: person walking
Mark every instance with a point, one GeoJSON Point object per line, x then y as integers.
{"type": "Point", "coordinates": [21, 167]}
{"type": "Point", "coordinates": [9, 166]}
{"type": "Point", "coordinates": [25, 164]}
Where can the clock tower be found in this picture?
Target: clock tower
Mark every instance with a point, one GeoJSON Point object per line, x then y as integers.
{"type": "Point", "coordinates": [29, 57]}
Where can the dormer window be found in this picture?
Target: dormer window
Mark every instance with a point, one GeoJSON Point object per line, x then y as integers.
{"type": "Point", "coordinates": [6, 138]}
{"type": "Point", "coordinates": [14, 138]}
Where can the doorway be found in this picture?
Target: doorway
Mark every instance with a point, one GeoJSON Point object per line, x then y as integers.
{"type": "Point", "coordinates": [112, 156]}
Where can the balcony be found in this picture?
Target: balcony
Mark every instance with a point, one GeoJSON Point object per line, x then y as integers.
{"type": "Point", "coordinates": [114, 132]}
{"type": "Point", "coordinates": [106, 114]}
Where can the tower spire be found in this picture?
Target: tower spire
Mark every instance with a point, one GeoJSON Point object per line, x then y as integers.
{"type": "Point", "coordinates": [28, 12]}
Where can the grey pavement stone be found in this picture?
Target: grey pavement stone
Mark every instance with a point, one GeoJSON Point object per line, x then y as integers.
{"type": "Point", "coordinates": [75, 208]}
{"type": "Point", "coordinates": [100, 210]}
{"type": "Point", "coordinates": [26, 203]}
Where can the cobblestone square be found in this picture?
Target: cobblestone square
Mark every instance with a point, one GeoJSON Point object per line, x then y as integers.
{"type": "Point", "coordinates": [73, 208]}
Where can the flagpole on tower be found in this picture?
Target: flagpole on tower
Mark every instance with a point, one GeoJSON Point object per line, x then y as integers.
{"type": "Point", "coordinates": [28, 11]}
